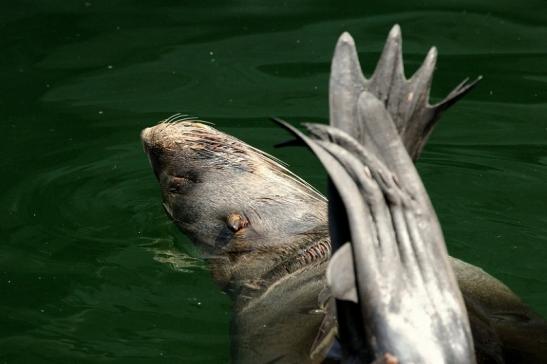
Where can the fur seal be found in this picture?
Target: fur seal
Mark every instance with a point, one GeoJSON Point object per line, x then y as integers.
{"type": "Point", "coordinates": [265, 229]}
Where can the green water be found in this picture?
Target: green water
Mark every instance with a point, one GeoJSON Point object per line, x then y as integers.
{"type": "Point", "coordinates": [92, 271]}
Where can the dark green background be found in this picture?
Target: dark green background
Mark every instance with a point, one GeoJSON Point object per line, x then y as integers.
{"type": "Point", "coordinates": [92, 271]}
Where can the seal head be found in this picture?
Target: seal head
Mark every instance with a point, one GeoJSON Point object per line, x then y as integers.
{"type": "Point", "coordinates": [225, 194]}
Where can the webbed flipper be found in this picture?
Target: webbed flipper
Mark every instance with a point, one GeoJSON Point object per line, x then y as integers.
{"type": "Point", "coordinates": [409, 304]}
{"type": "Point", "coordinates": [396, 291]}
{"type": "Point", "coordinates": [407, 101]}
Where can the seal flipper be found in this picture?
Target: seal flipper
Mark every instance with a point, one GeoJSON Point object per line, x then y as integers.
{"type": "Point", "coordinates": [340, 275]}
{"type": "Point", "coordinates": [402, 288]}
{"type": "Point", "coordinates": [407, 101]}
{"type": "Point", "coordinates": [396, 241]}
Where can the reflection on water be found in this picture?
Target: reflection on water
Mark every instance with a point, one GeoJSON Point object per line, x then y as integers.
{"type": "Point", "coordinates": [90, 268]}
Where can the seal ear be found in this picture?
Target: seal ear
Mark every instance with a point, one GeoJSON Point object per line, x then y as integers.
{"type": "Point", "coordinates": [236, 221]}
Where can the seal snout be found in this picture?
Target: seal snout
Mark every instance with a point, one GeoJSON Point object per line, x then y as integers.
{"type": "Point", "coordinates": [166, 142]}
{"type": "Point", "coordinates": [151, 150]}
{"type": "Point", "coordinates": [146, 137]}
{"type": "Point", "coordinates": [145, 134]}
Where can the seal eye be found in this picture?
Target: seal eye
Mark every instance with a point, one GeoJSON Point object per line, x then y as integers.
{"type": "Point", "coordinates": [236, 222]}
{"type": "Point", "coordinates": [177, 184]}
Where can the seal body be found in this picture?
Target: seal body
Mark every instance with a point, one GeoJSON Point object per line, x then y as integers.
{"type": "Point", "coordinates": [264, 232]}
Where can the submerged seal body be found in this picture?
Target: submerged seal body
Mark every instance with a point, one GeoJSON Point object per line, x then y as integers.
{"type": "Point", "coordinates": [265, 232]}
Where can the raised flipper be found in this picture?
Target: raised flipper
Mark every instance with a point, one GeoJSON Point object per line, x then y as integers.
{"type": "Point", "coordinates": [407, 101]}
{"type": "Point", "coordinates": [400, 296]}
{"type": "Point", "coordinates": [409, 303]}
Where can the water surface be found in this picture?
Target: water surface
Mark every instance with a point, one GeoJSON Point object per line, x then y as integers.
{"type": "Point", "coordinates": [91, 270]}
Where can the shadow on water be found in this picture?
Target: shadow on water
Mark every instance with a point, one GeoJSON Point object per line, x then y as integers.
{"type": "Point", "coordinates": [90, 268]}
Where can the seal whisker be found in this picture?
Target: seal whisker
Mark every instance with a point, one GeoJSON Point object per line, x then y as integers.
{"type": "Point", "coordinates": [171, 117]}
{"type": "Point", "coordinates": [186, 118]}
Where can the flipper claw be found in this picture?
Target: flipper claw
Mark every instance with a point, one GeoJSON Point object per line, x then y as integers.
{"type": "Point", "coordinates": [389, 70]}
{"type": "Point", "coordinates": [457, 93]}
{"type": "Point", "coordinates": [346, 83]}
